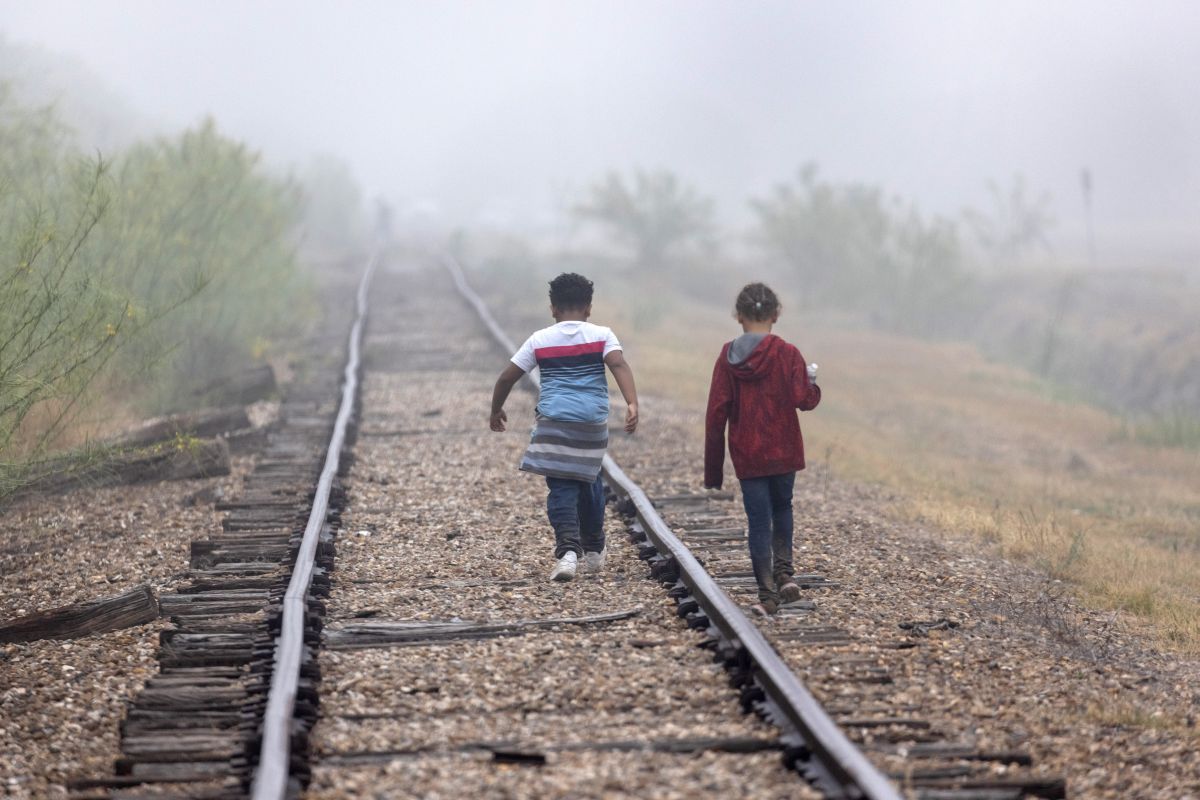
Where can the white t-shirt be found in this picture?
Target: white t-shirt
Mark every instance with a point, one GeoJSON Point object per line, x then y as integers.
{"type": "Point", "coordinates": [570, 356]}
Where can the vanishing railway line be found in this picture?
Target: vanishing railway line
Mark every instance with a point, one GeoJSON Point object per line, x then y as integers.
{"type": "Point", "coordinates": [394, 655]}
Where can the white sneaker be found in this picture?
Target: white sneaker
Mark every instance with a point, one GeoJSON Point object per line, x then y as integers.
{"type": "Point", "coordinates": [594, 562]}
{"type": "Point", "coordinates": [565, 570]}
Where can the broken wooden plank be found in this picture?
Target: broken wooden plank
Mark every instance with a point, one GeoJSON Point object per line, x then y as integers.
{"type": "Point", "coordinates": [202, 459]}
{"type": "Point", "coordinates": [203, 424]}
{"type": "Point", "coordinates": [955, 750]}
{"type": "Point", "coordinates": [692, 497]}
{"type": "Point", "coordinates": [1051, 788]}
{"type": "Point", "coordinates": [515, 752]}
{"type": "Point", "coordinates": [134, 607]}
{"type": "Point", "coordinates": [245, 386]}
{"type": "Point", "coordinates": [967, 794]}
{"type": "Point", "coordinates": [169, 462]}
{"type": "Point", "coordinates": [883, 722]}
{"type": "Point", "coordinates": [383, 633]}
{"type": "Point", "coordinates": [247, 440]}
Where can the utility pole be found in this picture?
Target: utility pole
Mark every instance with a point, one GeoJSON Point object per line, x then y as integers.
{"type": "Point", "coordinates": [1085, 180]}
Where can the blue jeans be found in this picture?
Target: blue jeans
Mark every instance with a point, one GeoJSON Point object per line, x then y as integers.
{"type": "Point", "coordinates": [576, 512]}
{"type": "Point", "coordinates": [768, 502]}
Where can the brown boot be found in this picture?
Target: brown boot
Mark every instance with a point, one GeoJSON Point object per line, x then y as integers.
{"type": "Point", "coordinates": [764, 608]}
{"type": "Point", "coordinates": [789, 591]}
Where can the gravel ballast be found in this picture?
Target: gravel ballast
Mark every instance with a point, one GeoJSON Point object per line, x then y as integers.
{"type": "Point", "coordinates": [440, 525]}
{"type": "Point", "coordinates": [997, 656]}
{"type": "Point", "coordinates": [61, 701]}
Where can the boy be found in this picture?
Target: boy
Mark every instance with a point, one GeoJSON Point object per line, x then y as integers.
{"type": "Point", "coordinates": [571, 433]}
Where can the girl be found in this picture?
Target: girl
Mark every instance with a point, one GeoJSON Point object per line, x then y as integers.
{"type": "Point", "coordinates": [758, 383]}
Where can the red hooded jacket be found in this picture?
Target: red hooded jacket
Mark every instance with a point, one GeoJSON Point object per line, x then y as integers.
{"type": "Point", "coordinates": [758, 397]}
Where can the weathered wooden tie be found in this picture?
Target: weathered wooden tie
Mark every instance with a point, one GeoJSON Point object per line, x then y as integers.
{"type": "Point", "coordinates": [134, 607]}
{"type": "Point", "coordinates": [193, 729]}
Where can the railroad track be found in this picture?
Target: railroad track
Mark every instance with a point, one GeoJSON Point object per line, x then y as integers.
{"type": "Point", "coordinates": [815, 746]}
{"type": "Point", "coordinates": [197, 728]}
{"type": "Point", "coordinates": [231, 710]}
{"type": "Point", "coordinates": [712, 533]}
{"type": "Point", "coordinates": [925, 759]}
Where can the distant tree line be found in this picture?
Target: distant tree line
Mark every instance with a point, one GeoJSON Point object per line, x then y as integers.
{"type": "Point", "coordinates": [849, 245]}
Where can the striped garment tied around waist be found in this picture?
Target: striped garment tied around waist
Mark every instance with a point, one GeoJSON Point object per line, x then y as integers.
{"type": "Point", "coordinates": [571, 450]}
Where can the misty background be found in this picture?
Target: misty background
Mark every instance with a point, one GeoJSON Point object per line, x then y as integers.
{"type": "Point", "coordinates": [981, 217]}
{"type": "Point", "coordinates": [500, 114]}
{"type": "Point", "coordinates": [1024, 177]}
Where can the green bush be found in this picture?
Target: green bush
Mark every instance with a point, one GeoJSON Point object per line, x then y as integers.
{"type": "Point", "coordinates": [60, 321]}
{"type": "Point", "coordinates": [655, 213]}
{"type": "Point", "coordinates": [139, 277]}
{"type": "Point", "coordinates": [206, 236]}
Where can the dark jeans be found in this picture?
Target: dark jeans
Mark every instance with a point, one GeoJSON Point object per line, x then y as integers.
{"type": "Point", "coordinates": [576, 512]}
{"type": "Point", "coordinates": [768, 503]}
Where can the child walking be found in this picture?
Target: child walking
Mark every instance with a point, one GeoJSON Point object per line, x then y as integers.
{"type": "Point", "coordinates": [570, 436]}
{"type": "Point", "coordinates": [757, 384]}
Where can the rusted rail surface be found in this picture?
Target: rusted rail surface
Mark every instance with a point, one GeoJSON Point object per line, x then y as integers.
{"type": "Point", "coordinates": [272, 775]}
{"type": "Point", "coordinates": [834, 765]}
{"type": "Point", "coordinates": [195, 728]}
{"type": "Point", "coordinates": [819, 750]}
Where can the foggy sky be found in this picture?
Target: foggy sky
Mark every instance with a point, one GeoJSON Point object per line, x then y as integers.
{"type": "Point", "coordinates": [497, 111]}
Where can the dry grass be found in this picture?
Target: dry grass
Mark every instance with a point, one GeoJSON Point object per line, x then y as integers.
{"type": "Point", "coordinates": [1126, 714]}
{"type": "Point", "coordinates": [987, 449]}
{"type": "Point", "coordinates": [974, 447]}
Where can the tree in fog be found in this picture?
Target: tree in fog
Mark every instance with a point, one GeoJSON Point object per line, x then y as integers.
{"type": "Point", "coordinates": [59, 316]}
{"type": "Point", "coordinates": [332, 204]}
{"type": "Point", "coordinates": [655, 214]}
{"type": "Point", "coordinates": [851, 247]}
{"type": "Point", "coordinates": [1014, 226]}
{"type": "Point", "coordinates": [833, 236]}
{"type": "Point", "coordinates": [131, 280]}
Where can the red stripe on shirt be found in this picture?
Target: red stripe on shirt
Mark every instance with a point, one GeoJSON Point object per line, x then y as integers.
{"type": "Point", "coordinates": [568, 350]}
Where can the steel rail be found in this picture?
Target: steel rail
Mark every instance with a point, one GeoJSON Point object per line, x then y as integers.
{"type": "Point", "coordinates": [460, 282]}
{"type": "Point", "coordinates": [271, 776]}
{"type": "Point", "coordinates": [847, 772]}
{"type": "Point", "coordinates": [841, 770]}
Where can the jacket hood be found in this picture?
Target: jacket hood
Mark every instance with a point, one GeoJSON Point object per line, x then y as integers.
{"type": "Point", "coordinates": [760, 361]}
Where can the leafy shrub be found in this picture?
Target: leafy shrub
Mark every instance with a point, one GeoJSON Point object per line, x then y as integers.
{"type": "Point", "coordinates": [205, 235]}
{"type": "Point", "coordinates": [59, 320]}
{"type": "Point", "coordinates": [148, 274]}
{"type": "Point", "coordinates": [1179, 429]}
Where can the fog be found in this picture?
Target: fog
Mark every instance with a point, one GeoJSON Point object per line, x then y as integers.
{"type": "Point", "coordinates": [499, 113]}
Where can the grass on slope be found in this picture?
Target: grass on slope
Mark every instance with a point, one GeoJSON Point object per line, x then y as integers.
{"type": "Point", "coordinates": [968, 445]}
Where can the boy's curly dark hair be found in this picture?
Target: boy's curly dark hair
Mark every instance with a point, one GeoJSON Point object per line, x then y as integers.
{"type": "Point", "coordinates": [570, 291]}
{"type": "Point", "coordinates": [756, 301]}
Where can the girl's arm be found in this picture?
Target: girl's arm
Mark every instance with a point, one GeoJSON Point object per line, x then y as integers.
{"type": "Point", "coordinates": [805, 393]}
{"type": "Point", "coordinates": [623, 374]}
{"type": "Point", "coordinates": [720, 395]}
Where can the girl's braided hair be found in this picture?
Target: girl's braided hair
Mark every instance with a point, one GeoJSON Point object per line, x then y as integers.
{"type": "Point", "coordinates": [756, 301]}
{"type": "Point", "coordinates": [570, 291]}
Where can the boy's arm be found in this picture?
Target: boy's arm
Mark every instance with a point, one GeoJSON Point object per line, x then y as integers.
{"type": "Point", "coordinates": [719, 399]}
{"type": "Point", "coordinates": [623, 374]}
{"type": "Point", "coordinates": [504, 384]}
